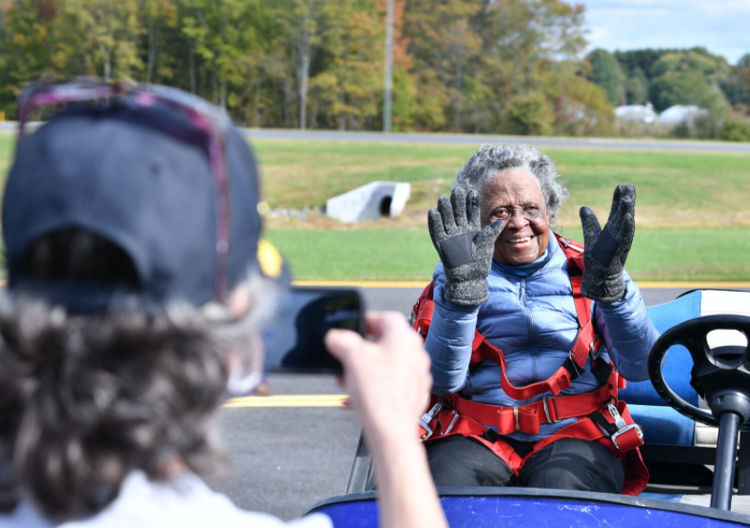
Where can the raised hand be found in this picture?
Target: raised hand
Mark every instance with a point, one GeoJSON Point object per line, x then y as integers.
{"type": "Point", "coordinates": [607, 249]}
{"type": "Point", "coordinates": [464, 247]}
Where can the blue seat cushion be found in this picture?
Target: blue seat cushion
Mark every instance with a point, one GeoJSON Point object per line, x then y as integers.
{"type": "Point", "coordinates": [663, 425]}
{"type": "Point", "coordinates": [677, 367]}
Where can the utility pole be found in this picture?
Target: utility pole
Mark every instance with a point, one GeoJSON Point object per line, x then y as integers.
{"type": "Point", "coordinates": [388, 81]}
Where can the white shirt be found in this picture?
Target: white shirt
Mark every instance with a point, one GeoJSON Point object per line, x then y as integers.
{"type": "Point", "coordinates": [185, 501]}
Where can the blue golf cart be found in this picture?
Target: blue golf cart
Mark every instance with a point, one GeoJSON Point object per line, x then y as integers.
{"type": "Point", "coordinates": [695, 415]}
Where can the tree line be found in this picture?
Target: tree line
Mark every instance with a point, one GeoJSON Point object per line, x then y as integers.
{"type": "Point", "coordinates": [667, 77]}
{"type": "Point", "coordinates": [489, 66]}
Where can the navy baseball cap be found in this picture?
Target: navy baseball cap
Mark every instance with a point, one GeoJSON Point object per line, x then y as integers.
{"type": "Point", "coordinates": [140, 177]}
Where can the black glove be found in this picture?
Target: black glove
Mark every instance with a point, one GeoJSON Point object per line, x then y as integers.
{"type": "Point", "coordinates": [606, 249]}
{"type": "Point", "coordinates": [465, 249]}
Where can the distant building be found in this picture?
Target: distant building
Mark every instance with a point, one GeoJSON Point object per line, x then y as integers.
{"type": "Point", "coordinates": [636, 114]}
{"type": "Point", "coordinates": [678, 114]}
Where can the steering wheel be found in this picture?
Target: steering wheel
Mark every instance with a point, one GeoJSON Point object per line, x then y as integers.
{"type": "Point", "coordinates": [720, 374]}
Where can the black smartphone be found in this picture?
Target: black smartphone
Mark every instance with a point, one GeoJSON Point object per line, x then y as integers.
{"type": "Point", "coordinates": [294, 341]}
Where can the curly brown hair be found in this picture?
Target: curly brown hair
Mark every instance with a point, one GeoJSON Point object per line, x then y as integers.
{"type": "Point", "coordinates": [87, 399]}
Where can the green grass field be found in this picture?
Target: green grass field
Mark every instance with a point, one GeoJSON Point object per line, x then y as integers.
{"type": "Point", "coordinates": [693, 209]}
{"type": "Point", "coordinates": [6, 148]}
{"type": "Point", "coordinates": [675, 189]}
{"type": "Point", "coordinates": [374, 254]}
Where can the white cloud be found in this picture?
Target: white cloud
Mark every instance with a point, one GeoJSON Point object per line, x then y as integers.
{"type": "Point", "coordinates": [721, 26]}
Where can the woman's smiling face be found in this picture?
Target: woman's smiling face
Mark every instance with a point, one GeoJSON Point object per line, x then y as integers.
{"type": "Point", "coordinates": [514, 197]}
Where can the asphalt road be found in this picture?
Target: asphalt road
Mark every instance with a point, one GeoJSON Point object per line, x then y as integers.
{"type": "Point", "coordinates": [282, 460]}
{"type": "Point", "coordinates": [478, 139]}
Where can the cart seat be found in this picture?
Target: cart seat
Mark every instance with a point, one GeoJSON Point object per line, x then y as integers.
{"type": "Point", "coordinates": [661, 424]}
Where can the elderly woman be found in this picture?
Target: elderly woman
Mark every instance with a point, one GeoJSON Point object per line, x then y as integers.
{"type": "Point", "coordinates": [531, 333]}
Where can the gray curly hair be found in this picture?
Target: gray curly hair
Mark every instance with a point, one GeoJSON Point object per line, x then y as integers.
{"type": "Point", "coordinates": [489, 161]}
{"type": "Point", "coordinates": [87, 399]}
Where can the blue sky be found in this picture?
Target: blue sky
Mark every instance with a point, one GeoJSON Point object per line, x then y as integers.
{"type": "Point", "coordinates": [721, 26]}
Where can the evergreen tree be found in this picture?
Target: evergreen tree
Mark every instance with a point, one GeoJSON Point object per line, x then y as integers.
{"type": "Point", "coordinates": [606, 72]}
{"type": "Point", "coordinates": [636, 87]}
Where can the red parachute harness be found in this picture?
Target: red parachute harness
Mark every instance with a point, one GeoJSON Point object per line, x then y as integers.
{"type": "Point", "coordinates": [601, 417]}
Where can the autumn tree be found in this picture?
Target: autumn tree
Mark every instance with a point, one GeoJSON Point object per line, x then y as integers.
{"type": "Point", "coordinates": [98, 37]}
{"type": "Point", "coordinates": [737, 85]}
{"type": "Point", "coordinates": [690, 78]}
{"type": "Point", "coordinates": [489, 66]}
{"type": "Point", "coordinates": [523, 40]}
{"type": "Point", "coordinates": [444, 45]}
{"type": "Point", "coordinates": [27, 29]}
{"type": "Point", "coordinates": [305, 25]}
{"type": "Point", "coordinates": [353, 48]}
{"type": "Point", "coordinates": [160, 18]}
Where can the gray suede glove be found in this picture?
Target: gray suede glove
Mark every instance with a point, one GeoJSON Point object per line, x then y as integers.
{"type": "Point", "coordinates": [606, 249]}
{"type": "Point", "coordinates": [465, 249]}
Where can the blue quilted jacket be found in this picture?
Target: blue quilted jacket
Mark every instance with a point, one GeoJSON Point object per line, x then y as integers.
{"type": "Point", "coordinates": [531, 317]}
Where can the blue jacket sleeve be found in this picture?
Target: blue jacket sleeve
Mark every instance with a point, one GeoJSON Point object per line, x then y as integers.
{"type": "Point", "coordinates": [627, 331]}
{"type": "Point", "coordinates": [449, 340]}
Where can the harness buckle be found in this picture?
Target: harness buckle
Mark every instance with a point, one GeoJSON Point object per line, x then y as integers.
{"type": "Point", "coordinates": [450, 425]}
{"type": "Point", "coordinates": [424, 421]}
{"type": "Point", "coordinates": [627, 428]}
{"type": "Point", "coordinates": [577, 371]}
{"type": "Point", "coordinates": [622, 427]}
{"type": "Point", "coordinates": [546, 411]}
{"type": "Point", "coordinates": [619, 422]}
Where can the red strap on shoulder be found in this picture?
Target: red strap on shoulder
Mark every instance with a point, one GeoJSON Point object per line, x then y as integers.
{"type": "Point", "coordinates": [573, 252]}
{"type": "Point", "coordinates": [555, 384]}
{"type": "Point", "coordinates": [586, 342]}
{"type": "Point", "coordinates": [421, 313]}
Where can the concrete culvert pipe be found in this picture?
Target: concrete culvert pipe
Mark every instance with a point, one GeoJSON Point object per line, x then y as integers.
{"type": "Point", "coordinates": [369, 202]}
{"type": "Point", "coordinates": [385, 206]}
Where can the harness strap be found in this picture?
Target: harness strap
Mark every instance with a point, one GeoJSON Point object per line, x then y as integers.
{"type": "Point", "coordinates": [598, 426]}
{"type": "Point", "coordinates": [586, 343]}
{"type": "Point", "coordinates": [488, 438]}
{"type": "Point", "coordinates": [596, 420]}
{"type": "Point", "coordinates": [588, 428]}
{"type": "Point", "coordinates": [421, 313]}
{"type": "Point", "coordinates": [603, 370]}
{"type": "Point", "coordinates": [528, 418]}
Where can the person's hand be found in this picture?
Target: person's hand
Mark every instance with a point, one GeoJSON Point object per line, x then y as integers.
{"type": "Point", "coordinates": [605, 250]}
{"type": "Point", "coordinates": [387, 379]}
{"type": "Point", "coordinates": [464, 248]}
